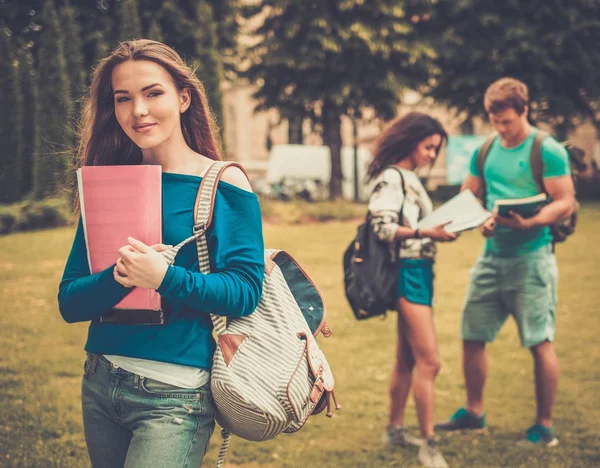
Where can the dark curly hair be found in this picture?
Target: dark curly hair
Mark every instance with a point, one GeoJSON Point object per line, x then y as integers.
{"type": "Point", "coordinates": [400, 139]}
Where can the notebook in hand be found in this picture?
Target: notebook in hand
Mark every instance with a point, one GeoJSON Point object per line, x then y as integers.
{"type": "Point", "coordinates": [118, 202]}
{"type": "Point", "coordinates": [462, 212]}
{"type": "Point", "coordinates": [526, 207]}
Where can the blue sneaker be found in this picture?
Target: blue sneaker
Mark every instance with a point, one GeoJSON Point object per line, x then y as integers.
{"type": "Point", "coordinates": [461, 420]}
{"type": "Point", "coordinates": [538, 435]}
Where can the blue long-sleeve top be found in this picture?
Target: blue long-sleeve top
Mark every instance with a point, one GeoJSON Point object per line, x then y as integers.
{"type": "Point", "coordinates": [233, 288]}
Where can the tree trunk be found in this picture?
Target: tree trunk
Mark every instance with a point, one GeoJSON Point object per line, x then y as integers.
{"type": "Point", "coordinates": [332, 137]}
{"type": "Point", "coordinates": [467, 126]}
{"type": "Point", "coordinates": [295, 136]}
{"type": "Point", "coordinates": [561, 131]}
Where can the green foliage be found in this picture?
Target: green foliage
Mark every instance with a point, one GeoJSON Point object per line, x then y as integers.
{"type": "Point", "coordinates": [196, 40]}
{"type": "Point", "coordinates": [11, 122]}
{"type": "Point", "coordinates": [40, 215]}
{"type": "Point", "coordinates": [73, 53]}
{"type": "Point", "coordinates": [77, 84]}
{"type": "Point", "coordinates": [29, 92]}
{"type": "Point", "coordinates": [31, 215]}
{"type": "Point", "coordinates": [155, 33]}
{"type": "Point", "coordinates": [7, 221]}
{"type": "Point", "coordinates": [54, 106]}
{"type": "Point", "coordinates": [550, 45]}
{"type": "Point", "coordinates": [208, 59]}
{"type": "Point", "coordinates": [225, 13]}
{"type": "Point", "coordinates": [128, 18]}
{"type": "Point", "coordinates": [328, 58]}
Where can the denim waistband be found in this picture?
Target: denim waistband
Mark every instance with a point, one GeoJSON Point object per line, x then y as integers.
{"type": "Point", "coordinates": [99, 360]}
{"type": "Point", "coordinates": [543, 251]}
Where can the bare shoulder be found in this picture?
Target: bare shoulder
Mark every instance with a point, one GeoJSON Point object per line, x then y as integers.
{"type": "Point", "coordinates": [233, 175]}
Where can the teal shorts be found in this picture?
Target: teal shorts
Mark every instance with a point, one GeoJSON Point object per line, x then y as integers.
{"type": "Point", "coordinates": [524, 287]}
{"type": "Point", "coordinates": [415, 280]}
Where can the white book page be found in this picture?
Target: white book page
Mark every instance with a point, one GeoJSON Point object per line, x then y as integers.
{"type": "Point", "coordinates": [462, 212]}
{"type": "Point", "coordinates": [82, 210]}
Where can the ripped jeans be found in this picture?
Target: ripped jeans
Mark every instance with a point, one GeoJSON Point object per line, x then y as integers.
{"type": "Point", "coordinates": [132, 421]}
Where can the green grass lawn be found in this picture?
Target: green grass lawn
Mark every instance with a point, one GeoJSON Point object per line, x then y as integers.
{"type": "Point", "coordinates": [42, 358]}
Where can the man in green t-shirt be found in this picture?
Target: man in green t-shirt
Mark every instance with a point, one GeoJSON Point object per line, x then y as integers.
{"type": "Point", "coordinates": [517, 272]}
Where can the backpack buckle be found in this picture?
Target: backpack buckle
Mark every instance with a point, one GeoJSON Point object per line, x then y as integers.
{"type": "Point", "coordinates": [198, 228]}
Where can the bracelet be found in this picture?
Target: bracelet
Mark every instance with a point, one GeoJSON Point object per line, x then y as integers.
{"type": "Point", "coordinates": [417, 234]}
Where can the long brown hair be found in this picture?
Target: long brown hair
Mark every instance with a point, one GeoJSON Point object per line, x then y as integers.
{"type": "Point", "coordinates": [102, 140]}
{"type": "Point", "coordinates": [400, 139]}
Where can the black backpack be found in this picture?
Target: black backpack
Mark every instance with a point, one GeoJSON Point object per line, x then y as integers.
{"type": "Point", "coordinates": [370, 272]}
{"type": "Point", "coordinates": [564, 228]}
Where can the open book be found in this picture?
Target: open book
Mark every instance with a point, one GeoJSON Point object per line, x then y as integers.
{"type": "Point", "coordinates": [118, 202]}
{"type": "Point", "coordinates": [525, 207]}
{"type": "Point", "coordinates": [462, 212]}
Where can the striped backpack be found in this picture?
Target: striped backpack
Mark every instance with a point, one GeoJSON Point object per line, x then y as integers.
{"type": "Point", "coordinates": [269, 374]}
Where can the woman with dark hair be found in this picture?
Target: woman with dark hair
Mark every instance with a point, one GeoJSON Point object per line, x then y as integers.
{"type": "Point", "coordinates": [398, 202]}
{"type": "Point", "coordinates": [146, 394]}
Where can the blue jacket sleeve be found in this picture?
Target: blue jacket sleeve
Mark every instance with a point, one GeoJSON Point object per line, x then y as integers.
{"type": "Point", "coordinates": [236, 249]}
{"type": "Point", "coordinates": [81, 295]}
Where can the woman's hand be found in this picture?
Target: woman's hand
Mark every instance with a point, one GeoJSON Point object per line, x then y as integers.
{"type": "Point", "coordinates": [140, 265]}
{"type": "Point", "coordinates": [439, 234]}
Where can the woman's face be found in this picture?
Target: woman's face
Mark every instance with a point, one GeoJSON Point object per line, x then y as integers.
{"type": "Point", "coordinates": [426, 151]}
{"type": "Point", "coordinates": [148, 105]}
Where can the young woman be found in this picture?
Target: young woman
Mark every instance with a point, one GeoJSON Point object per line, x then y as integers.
{"type": "Point", "coordinates": [146, 392]}
{"type": "Point", "coordinates": [398, 202]}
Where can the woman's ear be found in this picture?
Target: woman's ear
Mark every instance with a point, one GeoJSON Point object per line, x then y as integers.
{"type": "Point", "coordinates": [185, 99]}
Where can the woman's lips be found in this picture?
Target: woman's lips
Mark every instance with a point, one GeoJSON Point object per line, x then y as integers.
{"type": "Point", "coordinates": [143, 128]}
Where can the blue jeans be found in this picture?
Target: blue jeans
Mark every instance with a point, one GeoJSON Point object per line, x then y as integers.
{"type": "Point", "coordinates": [132, 421]}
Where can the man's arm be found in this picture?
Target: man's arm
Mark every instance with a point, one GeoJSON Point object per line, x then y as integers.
{"type": "Point", "coordinates": [562, 193]}
{"type": "Point", "coordinates": [474, 184]}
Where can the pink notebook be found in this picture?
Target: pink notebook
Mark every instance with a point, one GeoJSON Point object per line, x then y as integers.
{"type": "Point", "coordinates": [118, 202]}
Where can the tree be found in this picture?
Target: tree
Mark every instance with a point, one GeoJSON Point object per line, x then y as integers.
{"type": "Point", "coordinates": [73, 52]}
{"type": "Point", "coordinates": [552, 46]}
{"type": "Point", "coordinates": [327, 58]}
{"type": "Point", "coordinates": [29, 92]}
{"type": "Point", "coordinates": [10, 122]}
{"type": "Point", "coordinates": [54, 106]}
{"type": "Point", "coordinates": [77, 79]}
{"type": "Point", "coordinates": [192, 32]}
{"type": "Point", "coordinates": [155, 33]}
{"type": "Point", "coordinates": [225, 14]}
{"type": "Point", "coordinates": [210, 64]}
{"type": "Point", "coordinates": [130, 26]}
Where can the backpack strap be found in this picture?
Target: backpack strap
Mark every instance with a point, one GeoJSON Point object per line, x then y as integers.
{"type": "Point", "coordinates": [537, 164]}
{"type": "Point", "coordinates": [482, 154]}
{"type": "Point", "coordinates": [203, 210]}
{"type": "Point", "coordinates": [226, 435]}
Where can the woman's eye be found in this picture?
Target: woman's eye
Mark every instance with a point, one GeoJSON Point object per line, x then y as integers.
{"type": "Point", "coordinates": [122, 99]}
{"type": "Point", "coordinates": [154, 93]}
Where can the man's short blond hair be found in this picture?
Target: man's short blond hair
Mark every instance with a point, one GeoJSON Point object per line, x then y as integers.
{"type": "Point", "coordinates": [506, 93]}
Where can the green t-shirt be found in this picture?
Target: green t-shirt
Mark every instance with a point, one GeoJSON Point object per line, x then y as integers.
{"type": "Point", "coordinates": [507, 174]}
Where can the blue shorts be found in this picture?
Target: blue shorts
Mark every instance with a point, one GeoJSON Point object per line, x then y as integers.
{"type": "Point", "coordinates": [415, 280]}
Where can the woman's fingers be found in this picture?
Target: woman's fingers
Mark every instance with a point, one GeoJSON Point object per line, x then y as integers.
{"type": "Point", "coordinates": [161, 247]}
{"type": "Point", "coordinates": [122, 280]}
{"type": "Point", "coordinates": [120, 268]}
